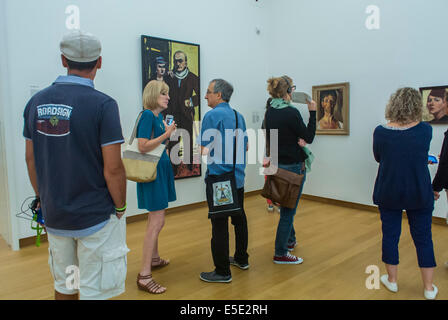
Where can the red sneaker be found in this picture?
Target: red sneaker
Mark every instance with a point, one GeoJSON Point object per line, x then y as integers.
{"type": "Point", "coordinates": [292, 246]}
{"type": "Point", "coordinates": [287, 259]}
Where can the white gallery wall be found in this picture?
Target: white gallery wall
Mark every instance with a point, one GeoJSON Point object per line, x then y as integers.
{"type": "Point", "coordinates": [229, 49]}
{"type": "Point", "coordinates": [322, 42]}
{"type": "Point", "coordinates": [315, 42]}
{"type": "Point", "coordinates": [6, 227]}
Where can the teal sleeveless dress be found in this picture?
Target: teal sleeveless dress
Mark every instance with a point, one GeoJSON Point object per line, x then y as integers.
{"type": "Point", "coordinates": [155, 195]}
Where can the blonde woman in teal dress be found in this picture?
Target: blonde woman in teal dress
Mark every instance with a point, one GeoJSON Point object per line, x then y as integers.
{"type": "Point", "coordinates": [154, 196]}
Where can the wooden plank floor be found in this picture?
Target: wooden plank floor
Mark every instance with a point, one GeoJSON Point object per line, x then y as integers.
{"type": "Point", "coordinates": [337, 245]}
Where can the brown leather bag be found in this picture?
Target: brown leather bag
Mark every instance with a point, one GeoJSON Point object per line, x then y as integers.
{"type": "Point", "coordinates": [283, 188]}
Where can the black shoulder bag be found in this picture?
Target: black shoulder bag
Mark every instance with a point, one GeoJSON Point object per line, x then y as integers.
{"type": "Point", "coordinates": [221, 190]}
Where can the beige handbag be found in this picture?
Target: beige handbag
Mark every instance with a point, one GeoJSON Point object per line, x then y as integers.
{"type": "Point", "coordinates": [141, 167]}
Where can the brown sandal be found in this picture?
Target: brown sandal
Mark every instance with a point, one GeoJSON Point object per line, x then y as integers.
{"type": "Point", "coordinates": [151, 286]}
{"type": "Point", "coordinates": [160, 263]}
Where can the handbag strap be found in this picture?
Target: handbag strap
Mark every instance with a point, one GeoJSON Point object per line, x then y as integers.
{"type": "Point", "coordinates": [134, 132]}
{"type": "Point", "coordinates": [236, 140]}
{"type": "Point", "coordinates": [268, 134]}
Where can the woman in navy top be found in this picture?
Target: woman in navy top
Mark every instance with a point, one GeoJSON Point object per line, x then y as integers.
{"type": "Point", "coordinates": [404, 183]}
{"type": "Point", "coordinates": [154, 196]}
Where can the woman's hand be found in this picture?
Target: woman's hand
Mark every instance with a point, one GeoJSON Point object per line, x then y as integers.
{"type": "Point", "coordinates": [312, 105]}
{"type": "Point", "coordinates": [169, 129]}
{"type": "Point", "coordinates": [302, 143]}
{"type": "Point", "coordinates": [436, 195]}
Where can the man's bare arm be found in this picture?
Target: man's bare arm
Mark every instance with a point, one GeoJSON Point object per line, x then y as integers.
{"type": "Point", "coordinates": [30, 164]}
{"type": "Point", "coordinates": [115, 174]}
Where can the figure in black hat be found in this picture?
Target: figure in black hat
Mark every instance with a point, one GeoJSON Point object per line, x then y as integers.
{"type": "Point", "coordinates": [159, 70]}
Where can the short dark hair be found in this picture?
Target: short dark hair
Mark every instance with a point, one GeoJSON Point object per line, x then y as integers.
{"type": "Point", "coordinates": [81, 65]}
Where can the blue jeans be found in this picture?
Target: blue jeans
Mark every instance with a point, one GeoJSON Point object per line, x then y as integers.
{"type": "Point", "coordinates": [285, 231]}
{"type": "Point", "coordinates": [420, 225]}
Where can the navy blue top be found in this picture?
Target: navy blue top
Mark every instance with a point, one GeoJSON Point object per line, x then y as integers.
{"type": "Point", "coordinates": [68, 123]}
{"type": "Point", "coordinates": [217, 128]}
{"type": "Point", "coordinates": [403, 180]}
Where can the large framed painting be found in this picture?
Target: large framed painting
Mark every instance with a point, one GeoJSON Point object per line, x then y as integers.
{"type": "Point", "coordinates": [435, 108]}
{"type": "Point", "coordinates": [177, 63]}
{"type": "Point", "coordinates": [332, 108]}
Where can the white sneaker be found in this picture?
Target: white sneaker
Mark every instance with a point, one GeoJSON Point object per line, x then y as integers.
{"type": "Point", "coordinates": [278, 209]}
{"type": "Point", "coordinates": [270, 207]}
{"type": "Point", "coordinates": [391, 286]}
{"type": "Point", "coordinates": [431, 295]}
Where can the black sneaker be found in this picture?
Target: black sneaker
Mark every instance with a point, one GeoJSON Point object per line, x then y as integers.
{"type": "Point", "coordinates": [243, 266]}
{"type": "Point", "coordinates": [214, 277]}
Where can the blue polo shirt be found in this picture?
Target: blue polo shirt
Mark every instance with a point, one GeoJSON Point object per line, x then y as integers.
{"type": "Point", "coordinates": [217, 134]}
{"type": "Point", "coordinates": [69, 122]}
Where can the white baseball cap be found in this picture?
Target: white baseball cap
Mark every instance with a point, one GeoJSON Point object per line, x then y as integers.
{"type": "Point", "coordinates": [80, 46]}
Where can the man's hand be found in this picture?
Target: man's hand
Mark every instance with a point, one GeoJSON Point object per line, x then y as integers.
{"type": "Point", "coordinates": [35, 205]}
{"type": "Point", "coordinates": [204, 151]}
{"type": "Point", "coordinates": [302, 143]}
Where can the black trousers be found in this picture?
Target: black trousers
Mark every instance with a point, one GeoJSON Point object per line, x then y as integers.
{"type": "Point", "coordinates": [220, 239]}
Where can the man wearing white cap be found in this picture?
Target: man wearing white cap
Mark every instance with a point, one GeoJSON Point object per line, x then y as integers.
{"type": "Point", "coordinates": [73, 137]}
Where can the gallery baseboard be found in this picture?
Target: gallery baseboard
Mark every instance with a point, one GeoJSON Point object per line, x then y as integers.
{"type": "Point", "coordinates": [203, 204]}
{"type": "Point", "coordinates": [435, 220]}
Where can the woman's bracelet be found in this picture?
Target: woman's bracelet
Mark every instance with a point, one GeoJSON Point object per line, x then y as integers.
{"type": "Point", "coordinates": [121, 209]}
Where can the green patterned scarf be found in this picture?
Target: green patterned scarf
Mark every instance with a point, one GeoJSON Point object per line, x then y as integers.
{"type": "Point", "coordinates": [279, 103]}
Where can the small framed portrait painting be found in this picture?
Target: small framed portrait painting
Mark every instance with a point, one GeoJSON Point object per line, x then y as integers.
{"type": "Point", "coordinates": [332, 108]}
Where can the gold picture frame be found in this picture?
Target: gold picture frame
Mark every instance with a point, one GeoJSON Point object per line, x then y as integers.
{"type": "Point", "coordinates": [333, 102]}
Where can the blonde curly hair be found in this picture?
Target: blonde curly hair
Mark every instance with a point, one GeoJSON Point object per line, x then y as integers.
{"type": "Point", "coordinates": [278, 87]}
{"type": "Point", "coordinates": [404, 106]}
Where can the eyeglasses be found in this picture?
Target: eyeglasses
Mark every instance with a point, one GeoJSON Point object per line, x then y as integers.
{"type": "Point", "coordinates": [293, 88]}
{"type": "Point", "coordinates": [209, 92]}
